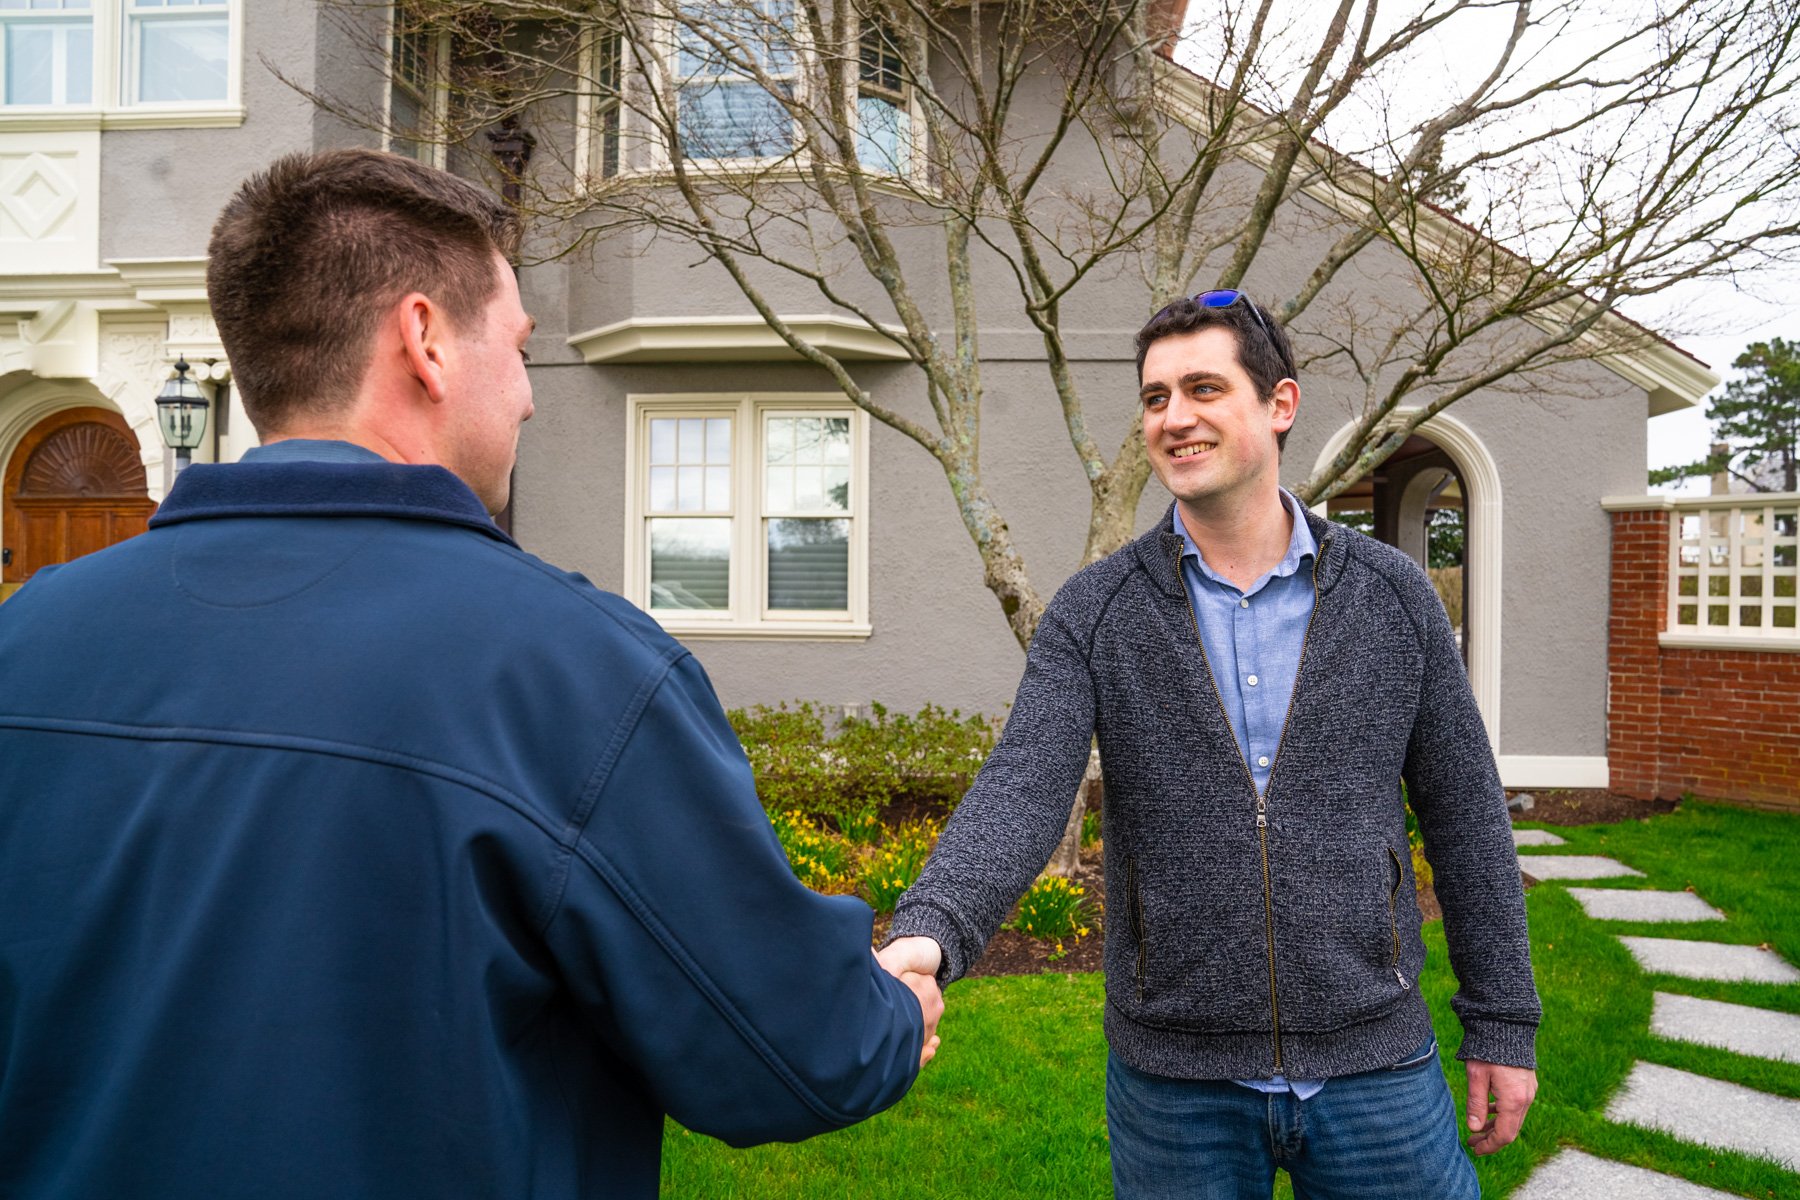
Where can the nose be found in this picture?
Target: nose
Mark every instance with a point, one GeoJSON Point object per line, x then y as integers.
{"type": "Point", "coordinates": [1180, 413]}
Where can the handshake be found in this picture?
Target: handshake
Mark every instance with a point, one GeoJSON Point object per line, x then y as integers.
{"type": "Point", "coordinates": [914, 961]}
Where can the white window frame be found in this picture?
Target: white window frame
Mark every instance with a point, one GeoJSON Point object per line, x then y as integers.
{"type": "Point", "coordinates": [668, 55]}
{"type": "Point", "coordinates": [111, 105]}
{"type": "Point", "coordinates": [908, 96]}
{"type": "Point", "coordinates": [590, 152]}
{"type": "Point", "coordinates": [60, 23]}
{"type": "Point", "coordinates": [434, 100]}
{"type": "Point", "coordinates": [748, 616]}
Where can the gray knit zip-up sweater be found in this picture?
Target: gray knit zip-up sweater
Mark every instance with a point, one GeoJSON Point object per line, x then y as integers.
{"type": "Point", "coordinates": [1251, 936]}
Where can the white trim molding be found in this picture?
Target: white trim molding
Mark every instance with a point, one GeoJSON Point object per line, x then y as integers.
{"type": "Point", "coordinates": [1554, 771]}
{"type": "Point", "coordinates": [1481, 476]}
{"type": "Point", "coordinates": [731, 339]}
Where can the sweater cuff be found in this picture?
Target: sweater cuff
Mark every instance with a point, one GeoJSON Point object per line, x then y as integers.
{"type": "Point", "coordinates": [928, 920]}
{"type": "Point", "coordinates": [1505, 1043]}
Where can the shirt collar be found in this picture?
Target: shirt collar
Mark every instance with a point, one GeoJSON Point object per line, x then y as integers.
{"type": "Point", "coordinates": [290, 450]}
{"type": "Point", "coordinates": [309, 488]}
{"type": "Point", "coordinates": [1301, 546]}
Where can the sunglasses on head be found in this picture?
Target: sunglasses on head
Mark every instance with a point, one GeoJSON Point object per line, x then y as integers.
{"type": "Point", "coordinates": [1225, 298]}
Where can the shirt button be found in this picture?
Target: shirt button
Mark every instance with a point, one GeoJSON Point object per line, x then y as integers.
{"type": "Point", "coordinates": [1251, 681]}
{"type": "Point", "coordinates": [1244, 603]}
{"type": "Point", "coordinates": [1263, 761]}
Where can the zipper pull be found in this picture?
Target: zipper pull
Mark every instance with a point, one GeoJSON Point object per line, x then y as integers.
{"type": "Point", "coordinates": [1262, 821]}
{"type": "Point", "coordinates": [1404, 986]}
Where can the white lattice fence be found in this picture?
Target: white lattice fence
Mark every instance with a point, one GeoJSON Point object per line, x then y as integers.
{"type": "Point", "coordinates": [1733, 566]}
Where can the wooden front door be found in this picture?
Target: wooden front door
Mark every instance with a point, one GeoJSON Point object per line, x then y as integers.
{"type": "Point", "coordinates": [75, 485]}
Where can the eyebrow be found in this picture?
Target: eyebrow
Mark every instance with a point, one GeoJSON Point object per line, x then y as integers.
{"type": "Point", "coordinates": [1188, 380]}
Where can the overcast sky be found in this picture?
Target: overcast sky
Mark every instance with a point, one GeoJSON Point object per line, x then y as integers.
{"type": "Point", "coordinates": [1713, 320]}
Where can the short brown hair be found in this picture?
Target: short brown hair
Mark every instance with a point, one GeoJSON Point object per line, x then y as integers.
{"type": "Point", "coordinates": [1263, 350]}
{"type": "Point", "coordinates": [309, 253]}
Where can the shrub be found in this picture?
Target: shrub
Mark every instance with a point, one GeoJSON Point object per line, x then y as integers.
{"type": "Point", "coordinates": [1054, 909]}
{"type": "Point", "coordinates": [1090, 829]}
{"type": "Point", "coordinates": [820, 859]}
{"type": "Point", "coordinates": [930, 759]}
{"type": "Point", "coordinates": [893, 867]}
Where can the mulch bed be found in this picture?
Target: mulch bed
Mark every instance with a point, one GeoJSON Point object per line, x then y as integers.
{"type": "Point", "coordinates": [1012, 953]}
{"type": "Point", "coordinates": [1588, 806]}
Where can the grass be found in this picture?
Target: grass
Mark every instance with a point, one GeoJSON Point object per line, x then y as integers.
{"type": "Point", "coordinates": [1013, 1106]}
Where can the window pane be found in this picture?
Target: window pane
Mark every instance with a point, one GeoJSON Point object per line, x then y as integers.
{"type": "Point", "coordinates": [779, 449]}
{"type": "Point", "coordinates": [690, 563]}
{"type": "Point", "coordinates": [718, 440]}
{"type": "Point", "coordinates": [883, 135]}
{"type": "Point", "coordinates": [733, 120]}
{"type": "Point", "coordinates": [662, 440]}
{"type": "Point", "coordinates": [837, 439]}
{"type": "Point", "coordinates": [809, 490]}
{"type": "Point", "coordinates": [837, 488]}
{"type": "Point", "coordinates": [29, 69]}
{"type": "Point", "coordinates": [185, 60]}
{"type": "Point", "coordinates": [405, 117]}
{"type": "Point", "coordinates": [691, 489]}
{"type": "Point", "coordinates": [78, 65]}
{"type": "Point", "coordinates": [718, 489]}
{"type": "Point", "coordinates": [780, 492]}
{"type": "Point", "coordinates": [808, 439]}
{"type": "Point", "coordinates": [809, 565]}
{"type": "Point", "coordinates": [662, 489]}
{"type": "Point", "coordinates": [693, 440]}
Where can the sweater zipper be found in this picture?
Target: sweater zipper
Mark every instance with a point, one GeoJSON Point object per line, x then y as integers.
{"type": "Point", "coordinates": [1262, 808]}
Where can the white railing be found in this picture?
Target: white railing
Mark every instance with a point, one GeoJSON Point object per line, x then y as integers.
{"type": "Point", "coordinates": [1734, 562]}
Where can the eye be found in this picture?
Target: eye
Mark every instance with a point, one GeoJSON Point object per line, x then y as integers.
{"type": "Point", "coordinates": [1153, 401]}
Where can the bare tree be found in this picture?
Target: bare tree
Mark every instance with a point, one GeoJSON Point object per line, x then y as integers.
{"type": "Point", "coordinates": [889, 152]}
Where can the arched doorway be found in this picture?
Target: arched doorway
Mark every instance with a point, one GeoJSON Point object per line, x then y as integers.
{"type": "Point", "coordinates": [74, 485]}
{"type": "Point", "coordinates": [1443, 479]}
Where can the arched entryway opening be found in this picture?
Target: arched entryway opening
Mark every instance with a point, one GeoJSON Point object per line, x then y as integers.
{"type": "Point", "coordinates": [1438, 499]}
{"type": "Point", "coordinates": [74, 484]}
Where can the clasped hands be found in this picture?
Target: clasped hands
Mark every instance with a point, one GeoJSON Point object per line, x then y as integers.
{"type": "Point", "coordinates": [914, 961]}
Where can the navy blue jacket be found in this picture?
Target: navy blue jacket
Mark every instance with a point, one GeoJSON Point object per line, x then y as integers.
{"type": "Point", "coordinates": [348, 850]}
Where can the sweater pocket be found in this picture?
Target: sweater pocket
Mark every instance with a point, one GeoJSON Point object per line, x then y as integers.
{"type": "Point", "coordinates": [1134, 901]}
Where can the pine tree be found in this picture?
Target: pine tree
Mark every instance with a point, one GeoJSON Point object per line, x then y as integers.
{"type": "Point", "coordinates": [1756, 420]}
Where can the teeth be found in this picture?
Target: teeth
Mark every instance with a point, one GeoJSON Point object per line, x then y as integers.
{"type": "Point", "coordinates": [1190, 451]}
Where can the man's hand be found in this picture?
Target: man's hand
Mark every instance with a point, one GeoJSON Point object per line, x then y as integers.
{"type": "Point", "coordinates": [914, 961]}
{"type": "Point", "coordinates": [1496, 1123]}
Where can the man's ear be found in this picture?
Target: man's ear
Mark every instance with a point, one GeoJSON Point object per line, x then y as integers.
{"type": "Point", "coordinates": [423, 329]}
{"type": "Point", "coordinates": [1285, 401]}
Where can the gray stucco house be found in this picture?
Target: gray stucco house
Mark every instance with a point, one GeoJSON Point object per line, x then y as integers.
{"type": "Point", "coordinates": [681, 454]}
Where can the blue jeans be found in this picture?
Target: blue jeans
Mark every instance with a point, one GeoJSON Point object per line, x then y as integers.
{"type": "Point", "coordinates": [1382, 1135]}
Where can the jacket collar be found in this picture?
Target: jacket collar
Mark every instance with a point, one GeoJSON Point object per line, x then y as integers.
{"type": "Point", "coordinates": [1159, 551]}
{"type": "Point", "coordinates": [324, 489]}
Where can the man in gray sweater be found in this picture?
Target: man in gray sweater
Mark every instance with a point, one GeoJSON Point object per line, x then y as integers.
{"type": "Point", "coordinates": [1260, 681]}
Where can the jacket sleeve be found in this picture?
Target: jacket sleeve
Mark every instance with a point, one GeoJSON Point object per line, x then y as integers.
{"type": "Point", "coordinates": [1008, 825]}
{"type": "Point", "coordinates": [752, 1006]}
{"type": "Point", "coordinates": [1454, 787]}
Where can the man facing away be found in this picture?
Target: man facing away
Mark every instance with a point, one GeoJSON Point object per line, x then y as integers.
{"type": "Point", "coordinates": [348, 850]}
{"type": "Point", "coordinates": [1260, 681]}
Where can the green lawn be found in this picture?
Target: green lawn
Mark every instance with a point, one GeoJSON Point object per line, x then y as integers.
{"type": "Point", "coordinates": [1013, 1106]}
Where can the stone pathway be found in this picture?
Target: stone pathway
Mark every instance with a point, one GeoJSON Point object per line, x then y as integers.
{"type": "Point", "coordinates": [1694, 1108]}
{"type": "Point", "coordinates": [1573, 866]}
{"type": "Point", "coordinates": [1573, 1174]}
{"type": "Point", "coordinates": [1709, 960]}
{"type": "Point", "coordinates": [1736, 1027]}
{"type": "Point", "coordinates": [1635, 904]}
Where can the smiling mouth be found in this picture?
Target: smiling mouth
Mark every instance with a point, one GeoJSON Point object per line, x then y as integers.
{"type": "Point", "coordinates": [1190, 451]}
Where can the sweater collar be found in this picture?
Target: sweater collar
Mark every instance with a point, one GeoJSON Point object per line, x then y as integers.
{"type": "Point", "coordinates": [1160, 549]}
{"type": "Point", "coordinates": [325, 489]}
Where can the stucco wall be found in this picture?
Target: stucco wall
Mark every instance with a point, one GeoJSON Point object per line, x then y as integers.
{"type": "Point", "coordinates": [162, 188]}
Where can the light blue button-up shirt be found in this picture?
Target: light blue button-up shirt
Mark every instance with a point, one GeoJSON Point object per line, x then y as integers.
{"type": "Point", "coordinates": [1253, 638]}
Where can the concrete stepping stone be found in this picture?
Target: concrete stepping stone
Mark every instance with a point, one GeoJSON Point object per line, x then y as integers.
{"type": "Point", "coordinates": [1573, 866]}
{"type": "Point", "coordinates": [1572, 1175]}
{"type": "Point", "coordinates": [1622, 904]}
{"type": "Point", "coordinates": [1709, 960]}
{"type": "Point", "coordinates": [1711, 1112]}
{"type": "Point", "coordinates": [1736, 1027]}
{"type": "Point", "coordinates": [1536, 837]}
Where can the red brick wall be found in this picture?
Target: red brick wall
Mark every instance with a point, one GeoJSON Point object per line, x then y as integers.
{"type": "Point", "coordinates": [1723, 724]}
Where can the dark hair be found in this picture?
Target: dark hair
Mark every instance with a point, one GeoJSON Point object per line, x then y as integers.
{"type": "Point", "coordinates": [1263, 350]}
{"type": "Point", "coordinates": [309, 253]}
